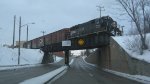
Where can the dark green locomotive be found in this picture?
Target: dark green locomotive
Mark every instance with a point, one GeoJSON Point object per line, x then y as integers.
{"type": "Point", "coordinates": [103, 24]}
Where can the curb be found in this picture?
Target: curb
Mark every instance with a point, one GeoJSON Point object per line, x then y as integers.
{"type": "Point", "coordinates": [128, 76]}
{"type": "Point", "coordinates": [59, 74]}
{"type": "Point", "coordinates": [56, 76]}
{"type": "Point", "coordinates": [47, 78]}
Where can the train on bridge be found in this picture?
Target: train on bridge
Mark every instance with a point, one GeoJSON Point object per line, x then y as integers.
{"type": "Point", "coordinates": [103, 24]}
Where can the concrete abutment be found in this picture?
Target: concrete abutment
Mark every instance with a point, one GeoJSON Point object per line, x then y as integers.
{"type": "Point", "coordinates": [47, 58]}
{"type": "Point", "coordinates": [114, 57]}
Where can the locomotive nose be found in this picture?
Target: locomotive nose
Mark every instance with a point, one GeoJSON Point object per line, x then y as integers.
{"type": "Point", "coordinates": [114, 24]}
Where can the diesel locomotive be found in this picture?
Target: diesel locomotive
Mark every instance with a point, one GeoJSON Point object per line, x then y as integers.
{"type": "Point", "coordinates": [103, 24]}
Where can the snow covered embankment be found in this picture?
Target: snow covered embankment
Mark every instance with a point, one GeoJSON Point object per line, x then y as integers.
{"type": "Point", "coordinates": [131, 44]}
{"type": "Point", "coordinates": [28, 58]}
{"type": "Point", "coordinates": [9, 56]}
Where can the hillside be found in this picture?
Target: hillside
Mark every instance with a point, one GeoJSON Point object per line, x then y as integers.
{"type": "Point", "coordinates": [131, 45]}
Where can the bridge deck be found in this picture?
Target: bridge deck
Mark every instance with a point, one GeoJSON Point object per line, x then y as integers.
{"type": "Point", "coordinates": [95, 40]}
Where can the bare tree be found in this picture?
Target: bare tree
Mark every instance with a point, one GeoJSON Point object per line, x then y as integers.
{"type": "Point", "coordinates": [137, 11]}
{"type": "Point", "coordinates": [148, 22]}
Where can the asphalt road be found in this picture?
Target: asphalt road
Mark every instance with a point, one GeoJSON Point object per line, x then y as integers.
{"type": "Point", "coordinates": [82, 73]}
{"type": "Point", "coordinates": [19, 75]}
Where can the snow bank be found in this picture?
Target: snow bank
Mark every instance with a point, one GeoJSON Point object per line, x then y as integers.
{"type": "Point", "coordinates": [44, 78]}
{"type": "Point", "coordinates": [28, 58]}
{"type": "Point", "coordinates": [12, 67]}
{"type": "Point", "coordinates": [83, 57]}
{"type": "Point", "coordinates": [124, 42]}
{"type": "Point", "coordinates": [57, 59]}
{"type": "Point", "coordinates": [71, 62]}
{"type": "Point", "coordinates": [9, 56]}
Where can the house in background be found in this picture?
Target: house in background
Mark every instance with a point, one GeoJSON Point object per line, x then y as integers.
{"type": "Point", "coordinates": [21, 44]}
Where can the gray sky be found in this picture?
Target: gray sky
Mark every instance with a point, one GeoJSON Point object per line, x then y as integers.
{"type": "Point", "coordinates": [50, 15]}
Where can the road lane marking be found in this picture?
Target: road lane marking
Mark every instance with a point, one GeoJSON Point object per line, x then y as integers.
{"type": "Point", "coordinates": [91, 74]}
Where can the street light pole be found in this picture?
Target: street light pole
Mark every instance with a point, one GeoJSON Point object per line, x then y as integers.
{"type": "Point", "coordinates": [28, 30]}
{"type": "Point", "coordinates": [43, 37]}
{"type": "Point", "coordinates": [19, 41]}
{"type": "Point", "coordinates": [20, 37]}
{"type": "Point", "coordinates": [43, 32]}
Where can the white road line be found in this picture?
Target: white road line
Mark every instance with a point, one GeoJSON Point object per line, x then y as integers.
{"type": "Point", "coordinates": [91, 74]}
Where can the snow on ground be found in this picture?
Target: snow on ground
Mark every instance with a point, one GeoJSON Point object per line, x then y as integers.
{"type": "Point", "coordinates": [11, 67]}
{"type": "Point", "coordinates": [28, 58]}
{"type": "Point", "coordinates": [139, 78]}
{"type": "Point", "coordinates": [46, 77]}
{"type": "Point", "coordinates": [57, 59]}
{"type": "Point", "coordinates": [71, 61]}
{"type": "Point", "coordinates": [76, 52]}
{"type": "Point", "coordinates": [133, 50]}
{"type": "Point", "coordinates": [83, 57]}
{"type": "Point", "coordinates": [9, 56]}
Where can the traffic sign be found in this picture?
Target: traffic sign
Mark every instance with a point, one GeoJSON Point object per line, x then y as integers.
{"type": "Point", "coordinates": [81, 42]}
{"type": "Point", "coordinates": [66, 43]}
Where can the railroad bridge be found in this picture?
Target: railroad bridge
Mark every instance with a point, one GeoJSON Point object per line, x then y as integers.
{"type": "Point", "coordinates": [95, 40]}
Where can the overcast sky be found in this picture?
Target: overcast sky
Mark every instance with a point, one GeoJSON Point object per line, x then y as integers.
{"type": "Point", "coordinates": [51, 15]}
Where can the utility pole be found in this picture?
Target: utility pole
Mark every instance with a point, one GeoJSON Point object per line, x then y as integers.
{"type": "Point", "coordinates": [43, 37]}
{"type": "Point", "coordinates": [27, 33]}
{"type": "Point", "coordinates": [100, 9]}
{"type": "Point", "coordinates": [19, 40]}
{"type": "Point", "coordinates": [43, 32]}
{"type": "Point", "coordinates": [14, 31]}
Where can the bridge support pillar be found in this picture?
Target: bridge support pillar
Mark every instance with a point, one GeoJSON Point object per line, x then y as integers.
{"type": "Point", "coordinates": [67, 57]}
{"type": "Point", "coordinates": [47, 58]}
{"type": "Point", "coordinates": [104, 57]}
